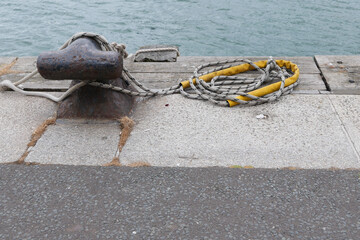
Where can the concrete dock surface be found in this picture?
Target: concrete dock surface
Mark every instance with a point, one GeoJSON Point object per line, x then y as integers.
{"type": "Point", "coordinates": [317, 126]}
{"type": "Point", "coordinates": [303, 150]}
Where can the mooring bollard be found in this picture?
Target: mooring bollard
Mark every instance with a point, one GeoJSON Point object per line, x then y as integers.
{"type": "Point", "coordinates": [84, 60]}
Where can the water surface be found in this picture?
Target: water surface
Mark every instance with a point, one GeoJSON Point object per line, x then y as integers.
{"type": "Point", "coordinates": [198, 27]}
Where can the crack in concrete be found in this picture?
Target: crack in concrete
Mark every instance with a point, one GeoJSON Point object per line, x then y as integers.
{"type": "Point", "coordinates": [322, 75]}
{"type": "Point", "coordinates": [37, 134]}
{"type": "Point", "coordinates": [7, 69]}
{"type": "Point", "coordinates": [126, 125]}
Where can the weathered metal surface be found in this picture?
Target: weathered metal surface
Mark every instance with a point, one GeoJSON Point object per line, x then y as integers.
{"type": "Point", "coordinates": [82, 60]}
{"type": "Point", "coordinates": [97, 103]}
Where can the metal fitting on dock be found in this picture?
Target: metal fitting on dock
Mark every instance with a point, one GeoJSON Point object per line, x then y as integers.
{"type": "Point", "coordinates": [83, 60]}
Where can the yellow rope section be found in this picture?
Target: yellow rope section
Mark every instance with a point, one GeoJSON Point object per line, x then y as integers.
{"type": "Point", "coordinates": [247, 67]}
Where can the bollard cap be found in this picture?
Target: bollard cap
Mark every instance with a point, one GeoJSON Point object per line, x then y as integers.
{"type": "Point", "coordinates": [81, 60]}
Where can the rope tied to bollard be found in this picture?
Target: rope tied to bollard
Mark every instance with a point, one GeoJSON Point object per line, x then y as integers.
{"type": "Point", "coordinates": [220, 85]}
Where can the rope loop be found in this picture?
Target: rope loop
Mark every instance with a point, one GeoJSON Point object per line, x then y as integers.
{"type": "Point", "coordinates": [101, 40]}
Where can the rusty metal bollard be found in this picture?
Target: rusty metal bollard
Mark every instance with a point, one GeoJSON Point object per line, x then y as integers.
{"type": "Point", "coordinates": [84, 60]}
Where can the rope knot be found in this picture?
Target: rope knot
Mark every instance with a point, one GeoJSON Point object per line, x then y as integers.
{"type": "Point", "coordinates": [120, 48]}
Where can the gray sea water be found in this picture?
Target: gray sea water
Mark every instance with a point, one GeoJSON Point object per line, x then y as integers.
{"type": "Point", "coordinates": [198, 27]}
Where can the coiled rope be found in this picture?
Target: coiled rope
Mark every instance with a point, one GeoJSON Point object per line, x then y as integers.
{"type": "Point", "coordinates": [217, 85]}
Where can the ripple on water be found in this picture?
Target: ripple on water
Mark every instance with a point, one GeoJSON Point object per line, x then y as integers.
{"type": "Point", "coordinates": [199, 27]}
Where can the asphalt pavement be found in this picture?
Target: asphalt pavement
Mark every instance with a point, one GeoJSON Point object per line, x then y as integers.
{"type": "Point", "coordinates": [84, 202]}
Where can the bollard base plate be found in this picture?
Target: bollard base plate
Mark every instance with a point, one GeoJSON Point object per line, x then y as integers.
{"type": "Point", "coordinates": [91, 102]}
